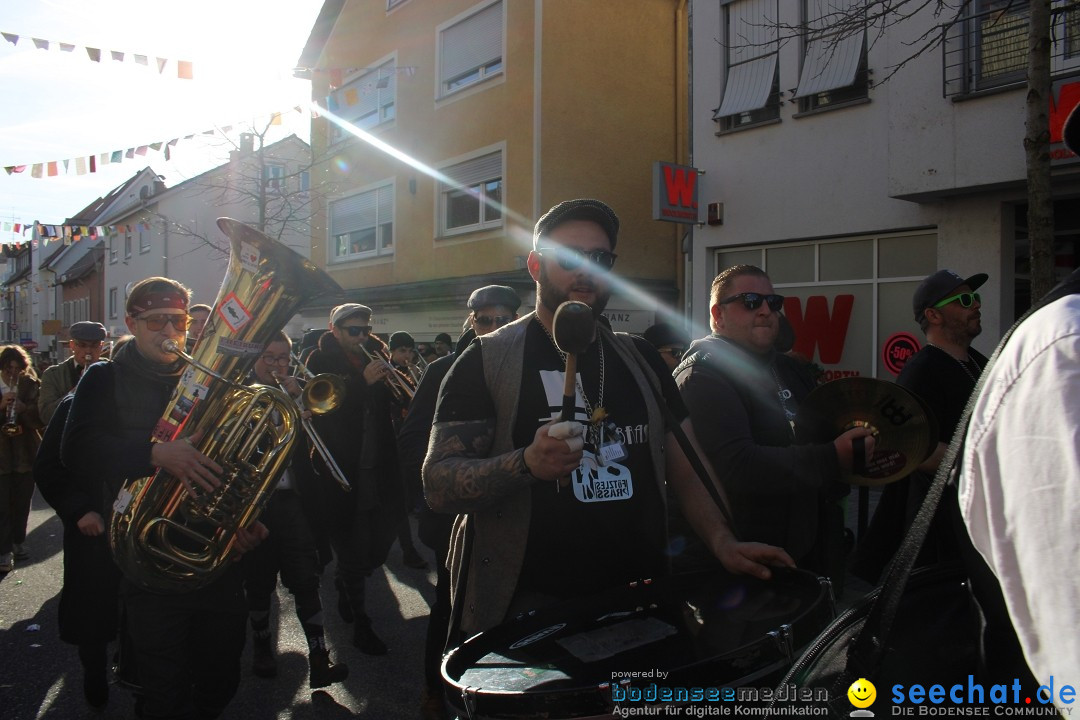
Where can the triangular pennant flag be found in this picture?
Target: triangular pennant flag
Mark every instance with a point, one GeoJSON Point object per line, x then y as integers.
{"type": "Point", "coordinates": [117, 156]}
{"type": "Point", "coordinates": [67, 231]}
{"type": "Point", "coordinates": [41, 44]}
{"type": "Point", "coordinates": [410, 70]}
{"type": "Point", "coordinates": [17, 228]}
{"type": "Point", "coordinates": [384, 82]}
{"type": "Point", "coordinates": [155, 146]}
{"type": "Point", "coordinates": [104, 159]}
{"type": "Point", "coordinates": [117, 56]}
{"type": "Point", "coordinates": [66, 47]}
{"type": "Point", "coordinates": [80, 166]}
{"type": "Point", "coordinates": [68, 239]}
{"type": "Point", "coordinates": [161, 65]}
{"type": "Point", "coordinates": [7, 227]}
{"type": "Point", "coordinates": [174, 141]}
{"type": "Point", "coordinates": [93, 164]}
{"type": "Point", "coordinates": [140, 59]}
{"type": "Point", "coordinates": [66, 165]}
{"type": "Point", "coordinates": [351, 97]}
{"type": "Point", "coordinates": [275, 119]}
{"type": "Point", "coordinates": [53, 170]}
{"type": "Point", "coordinates": [141, 150]}
{"type": "Point", "coordinates": [168, 151]}
{"type": "Point", "coordinates": [130, 153]}
{"type": "Point", "coordinates": [332, 103]}
{"type": "Point", "coordinates": [11, 38]}
{"type": "Point", "coordinates": [184, 69]}
{"type": "Point", "coordinates": [35, 171]}
{"type": "Point", "coordinates": [227, 128]}
{"type": "Point", "coordinates": [337, 75]}
{"type": "Point", "coordinates": [94, 53]}
{"type": "Point", "coordinates": [83, 230]}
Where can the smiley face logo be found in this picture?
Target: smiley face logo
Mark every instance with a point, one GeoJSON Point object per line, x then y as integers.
{"type": "Point", "coordinates": [862, 693]}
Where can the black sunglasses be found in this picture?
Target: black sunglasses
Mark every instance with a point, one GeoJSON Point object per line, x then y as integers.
{"type": "Point", "coordinates": [355, 330]}
{"type": "Point", "coordinates": [572, 258]}
{"type": "Point", "coordinates": [675, 352]}
{"type": "Point", "coordinates": [752, 300]}
{"type": "Point", "coordinates": [487, 320]}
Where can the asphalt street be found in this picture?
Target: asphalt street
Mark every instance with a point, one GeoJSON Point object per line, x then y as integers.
{"type": "Point", "coordinates": [40, 676]}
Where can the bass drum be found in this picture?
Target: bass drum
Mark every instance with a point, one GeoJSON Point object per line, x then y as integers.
{"type": "Point", "coordinates": [576, 659]}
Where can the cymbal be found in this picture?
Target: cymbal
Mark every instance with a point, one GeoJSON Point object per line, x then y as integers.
{"type": "Point", "coordinates": [905, 429]}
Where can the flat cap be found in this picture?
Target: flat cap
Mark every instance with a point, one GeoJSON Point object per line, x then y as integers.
{"type": "Point", "coordinates": [579, 209]}
{"type": "Point", "coordinates": [346, 311]}
{"type": "Point", "coordinates": [87, 331]}
{"type": "Point", "coordinates": [494, 295]}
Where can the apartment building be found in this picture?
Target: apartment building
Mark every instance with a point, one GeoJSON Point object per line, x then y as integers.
{"type": "Point", "coordinates": [850, 164]}
{"type": "Point", "coordinates": [451, 125]}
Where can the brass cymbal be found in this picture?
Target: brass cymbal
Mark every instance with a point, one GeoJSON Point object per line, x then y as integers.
{"type": "Point", "coordinates": [905, 429]}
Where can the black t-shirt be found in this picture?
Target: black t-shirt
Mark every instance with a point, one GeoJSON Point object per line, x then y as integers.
{"type": "Point", "coordinates": [607, 526]}
{"type": "Point", "coordinates": [943, 382]}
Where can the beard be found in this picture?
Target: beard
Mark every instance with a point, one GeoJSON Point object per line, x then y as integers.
{"type": "Point", "coordinates": [551, 297]}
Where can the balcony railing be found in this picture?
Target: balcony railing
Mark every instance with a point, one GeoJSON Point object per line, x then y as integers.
{"type": "Point", "coordinates": [987, 50]}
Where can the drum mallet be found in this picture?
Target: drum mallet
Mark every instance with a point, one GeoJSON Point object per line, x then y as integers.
{"type": "Point", "coordinates": [573, 329]}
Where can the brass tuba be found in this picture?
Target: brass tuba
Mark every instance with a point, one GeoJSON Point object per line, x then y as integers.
{"type": "Point", "coordinates": [163, 537]}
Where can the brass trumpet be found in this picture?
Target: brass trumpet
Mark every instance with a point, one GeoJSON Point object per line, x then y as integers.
{"type": "Point", "coordinates": [400, 384]}
{"type": "Point", "coordinates": [11, 426]}
{"type": "Point", "coordinates": [321, 394]}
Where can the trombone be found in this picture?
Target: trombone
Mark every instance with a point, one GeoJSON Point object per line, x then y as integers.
{"type": "Point", "coordinates": [321, 394]}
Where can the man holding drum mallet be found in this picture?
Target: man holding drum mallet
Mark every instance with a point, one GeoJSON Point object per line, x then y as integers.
{"type": "Point", "coordinates": [552, 519]}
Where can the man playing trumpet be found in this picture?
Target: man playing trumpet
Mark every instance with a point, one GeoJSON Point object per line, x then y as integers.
{"type": "Point", "coordinates": [359, 435]}
{"type": "Point", "coordinates": [57, 381]}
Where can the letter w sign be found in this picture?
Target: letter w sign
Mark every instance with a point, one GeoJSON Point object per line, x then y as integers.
{"type": "Point", "coordinates": [675, 193]}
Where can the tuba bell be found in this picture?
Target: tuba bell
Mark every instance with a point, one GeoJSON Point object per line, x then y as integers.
{"type": "Point", "coordinates": [163, 537]}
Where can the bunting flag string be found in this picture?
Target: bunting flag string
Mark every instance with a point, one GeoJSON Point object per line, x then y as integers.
{"type": "Point", "coordinates": [338, 75]}
{"type": "Point", "coordinates": [185, 69]}
{"type": "Point", "coordinates": [89, 164]}
{"type": "Point", "coordinates": [66, 233]}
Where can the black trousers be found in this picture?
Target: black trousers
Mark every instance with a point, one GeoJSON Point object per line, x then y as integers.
{"type": "Point", "coordinates": [16, 492]}
{"type": "Point", "coordinates": [290, 549]}
{"type": "Point", "coordinates": [187, 647]}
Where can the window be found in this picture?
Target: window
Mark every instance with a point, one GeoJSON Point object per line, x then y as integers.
{"type": "Point", "coordinates": [144, 238]}
{"type": "Point", "coordinates": [274, 177]}
{"type": "Point", "coordinates": [834, 65]}
{"type": "Point", "coordinates": [67, 309]}
{"type": "Point", "coordinates": [112, 249]}
{"type": "Point", "coordinates": [471, 50]}
{"type": "Point", "coordinates": [474, 202]}
{"type": "Point", "coordinates": [362, 225]}
{"type": "Point", "coordinates": [127, 245]}
{"type": "Point", "coordinates": [367, 101]}
{"type": "Point", "coordinates": [112, 302]}
{"type": "Point", "coordinates": [391, 4]}
{"type": "Point", "coordinates": [305, 181]}
{"type": "Point", "coordinates": [752, 82]}
{"type": "Point", "coordinates": [987, 49]}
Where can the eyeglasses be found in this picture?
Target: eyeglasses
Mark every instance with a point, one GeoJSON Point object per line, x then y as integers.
{"type": "Point", "coordinates": [275, 359]}
{"type": "Point", "coordinates": [967, 299]}
{"type": "Point", "coordinates": [752, 300]}
{"type": "Point", "coordinates": [488, 321]}
{"type": "Point", "coordinates": [572, 258]}
{"type": "Point", "coordinates": [357, 330]}
{"type": "Point", "coordinates": [675, 352]}
{"type": "Point", "coordinates": [157, 322]}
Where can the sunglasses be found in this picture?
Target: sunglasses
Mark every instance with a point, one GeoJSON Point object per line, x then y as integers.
{"type": "Point", "coordinates": [357, 330]}
{"type": "Point", "coordinates": [571, 258]}
{"type": "Point", "coordinates": [488, 321]}
{"type": "Point", "coordinates": [675, 352]}
{"type": "Point", "coordinates": [752, 301]}
{"type": "Point", "coordinates": [157, 322]}
{"type": "Point", "coordinates": [967, 299]}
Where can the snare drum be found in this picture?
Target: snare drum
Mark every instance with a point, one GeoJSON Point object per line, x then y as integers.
{"type": "Point", "coordinates": [704, 630]}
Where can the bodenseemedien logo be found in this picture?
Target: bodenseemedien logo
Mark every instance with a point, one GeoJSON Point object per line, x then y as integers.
{"type": "Point", "coordinates": [862, 694]}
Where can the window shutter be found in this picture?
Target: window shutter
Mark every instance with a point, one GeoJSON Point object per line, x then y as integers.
{"type": "Point", "coordinates": [353, 213]}
{"type": "Point", "coordinates": [751, 58]}
{"type": "Point", "coordinates": [471, 43]}
{"type": "Point", "coordinates": [471, 172]}
{"type": "Point", "coordinates": [831, 62]}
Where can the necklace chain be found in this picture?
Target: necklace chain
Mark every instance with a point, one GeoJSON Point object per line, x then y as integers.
{"type": "Point", "coordinates": [967, 370]}
{"type": "Point", "coordinates": [592, 427]}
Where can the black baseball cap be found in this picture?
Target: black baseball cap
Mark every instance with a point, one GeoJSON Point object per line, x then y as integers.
{"type": "Point", "coordinates": [579, 209]}
{"type": "Point", "coordinates": [939, 286]}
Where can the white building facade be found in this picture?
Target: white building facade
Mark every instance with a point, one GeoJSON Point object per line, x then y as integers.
{"type": "Point", "coordinates": [849, 192]}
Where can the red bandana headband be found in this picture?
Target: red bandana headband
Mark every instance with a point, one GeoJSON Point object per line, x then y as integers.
{"type": "Point", "coordinates": [160, 301]}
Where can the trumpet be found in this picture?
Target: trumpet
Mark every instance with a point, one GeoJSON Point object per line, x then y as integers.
{"type": "Point", "coordinates": [418, 368]}
{"type": "Point", "coordinates": [321, 394]}
{"type": "Point", "coordinates": [401, 385]}
{"type": "Point", "coordinates": [11, 426]}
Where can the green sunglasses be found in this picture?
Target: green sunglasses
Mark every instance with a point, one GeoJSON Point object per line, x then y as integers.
{"type": "Point", "coordinates": [966, 299]}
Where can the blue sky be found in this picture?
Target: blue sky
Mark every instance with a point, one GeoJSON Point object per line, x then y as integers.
{"type": "Point", "coordinates": [60, 105]}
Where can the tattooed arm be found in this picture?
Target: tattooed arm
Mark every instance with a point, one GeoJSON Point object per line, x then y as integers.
{"type": "Point", "coordinates": [458, 477]}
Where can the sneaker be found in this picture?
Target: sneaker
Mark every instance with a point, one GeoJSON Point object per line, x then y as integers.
{"type": "Point", "coordinates": [324, 672]}
{"type": "Point", "coordinates": [5, 562]}
{"type": "Point", "coordinates": [412, 559]}
{"type": "Point", "coordinates": [343, 607]}
{"type": "Point", "coordinates": [263, 663]}
{"type": "Point", "coordinates": [367, 641]}
{"type": "Point", "coordinates": [21, 553]}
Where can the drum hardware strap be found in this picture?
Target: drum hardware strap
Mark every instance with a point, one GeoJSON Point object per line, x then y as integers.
{"type": "Point", "coordinates": [684, 441]}
{"type": "Point", "coordinates": [469, 702]}
{"type": "Point", "coordinates": [783, 640]}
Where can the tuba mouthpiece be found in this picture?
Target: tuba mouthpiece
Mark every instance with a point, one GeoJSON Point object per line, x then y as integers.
{"type": "Point", "coordinates": [170, 346]}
